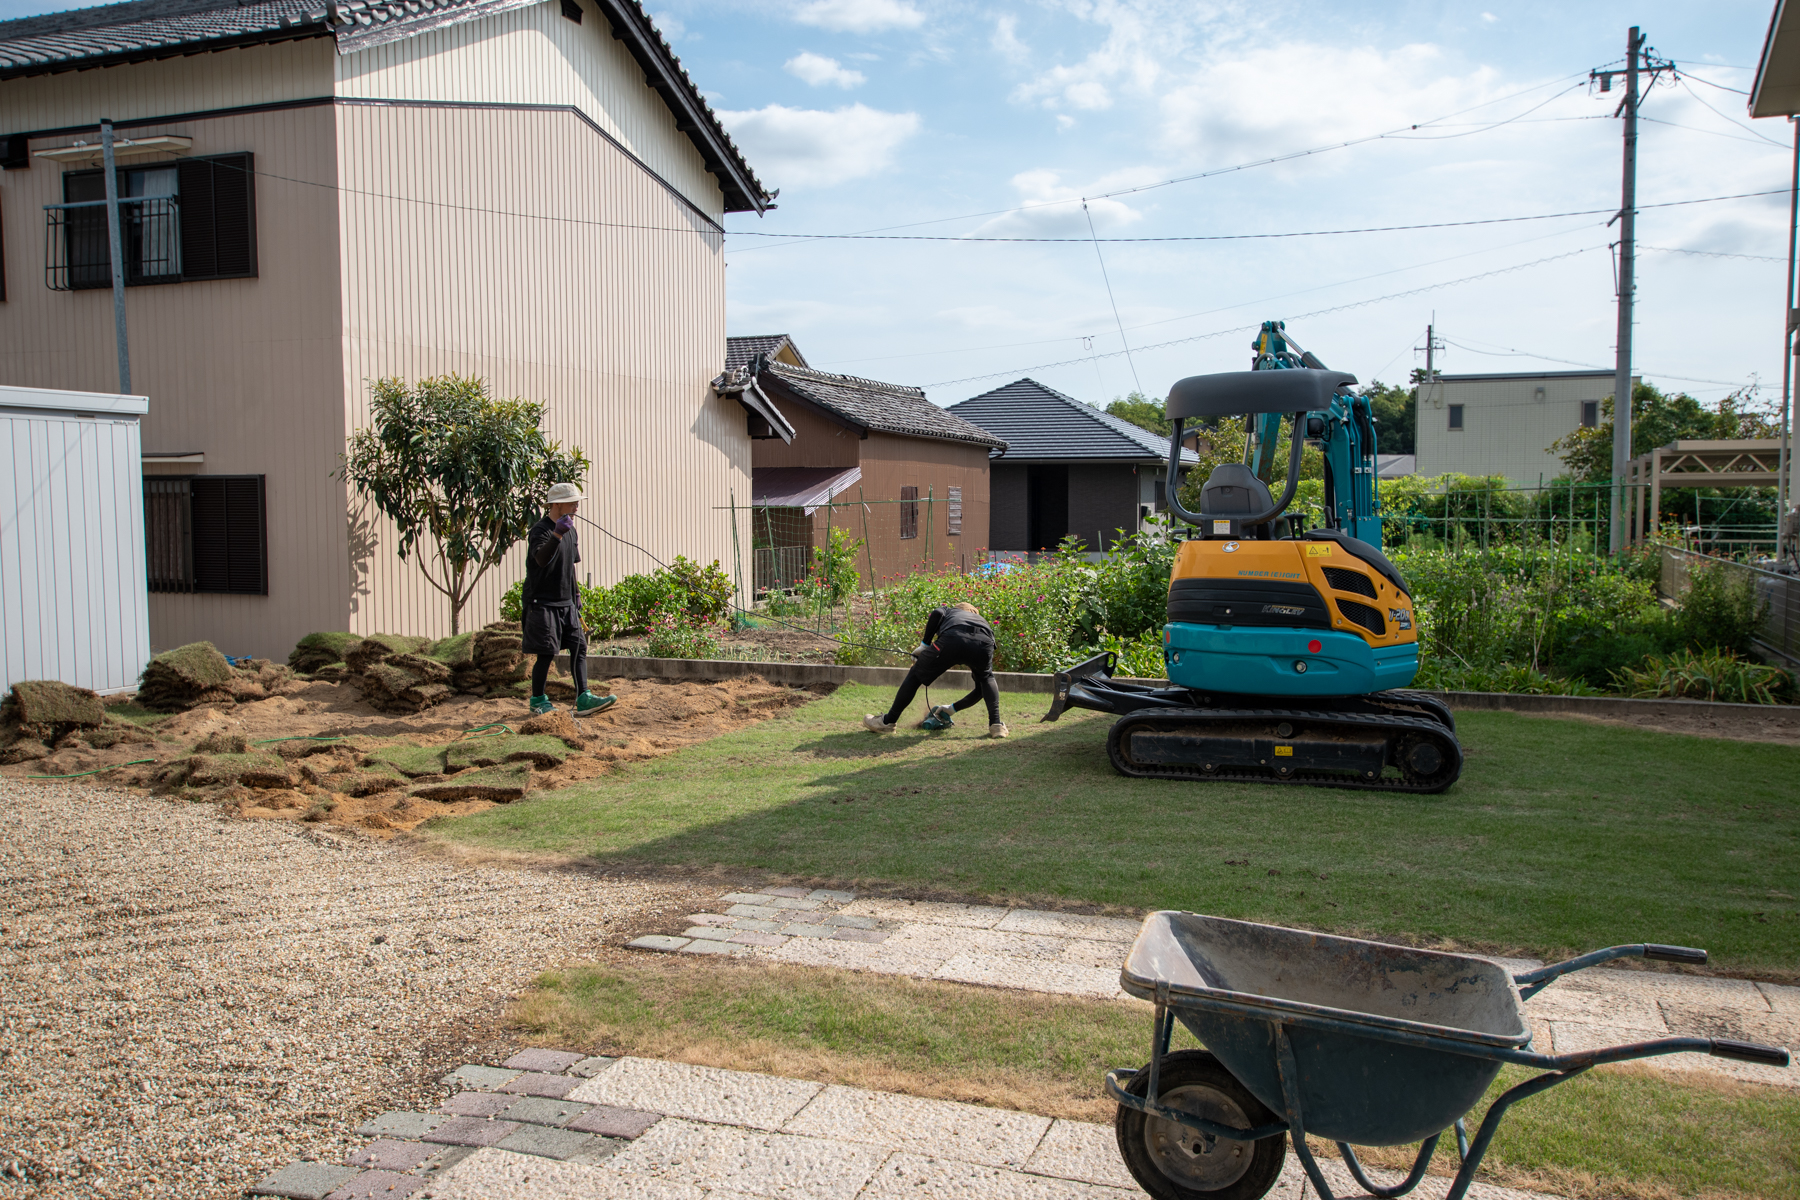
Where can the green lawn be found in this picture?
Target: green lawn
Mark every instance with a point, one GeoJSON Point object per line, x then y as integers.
{"type": "Point", "coordinates": [1612, 1133]}
{"type": "Point", "coordinates": [1561, 835]}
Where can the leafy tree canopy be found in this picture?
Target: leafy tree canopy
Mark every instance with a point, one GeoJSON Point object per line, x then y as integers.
{"type": "Point", "coordinates": [1396, 417]}
{"type": "Point", "coordinates": [461, 474]}
{"type": "Point", "coordinates": [1143, 412]}
{"type": "Point", "coordinates": [1658, 418]}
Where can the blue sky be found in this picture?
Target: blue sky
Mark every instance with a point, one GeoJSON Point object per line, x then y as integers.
{"type": "Point", "coordinates": [954, 120]}
{"type": "Point", "coordinates": [914, 117]}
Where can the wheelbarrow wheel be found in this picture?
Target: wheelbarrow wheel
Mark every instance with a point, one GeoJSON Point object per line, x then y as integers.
{"type": "Point", "coordinates": [1173, 1162]}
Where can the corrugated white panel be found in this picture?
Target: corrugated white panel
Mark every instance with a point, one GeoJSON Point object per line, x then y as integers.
{"type": "Point", "coordinates": [551, 265]}
{"type": "Point", "coordinates": [72, 600]}
{"type": "Point", "coordinates": [202, 83]}
{"type": "Point", "coordinates": [247, 371]}
{"type": "Point", "coordinates": [536, 56]}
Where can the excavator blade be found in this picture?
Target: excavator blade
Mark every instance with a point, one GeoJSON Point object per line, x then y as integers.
{"type": "Point", "coordinates": [1101, 664]}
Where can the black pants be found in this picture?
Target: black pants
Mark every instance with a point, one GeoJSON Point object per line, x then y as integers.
{"type": "Point", "coordinates": [550, 629]}
{"type": "Point", "coordinates": [977, 654]}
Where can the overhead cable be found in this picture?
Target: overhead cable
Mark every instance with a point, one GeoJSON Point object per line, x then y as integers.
{"type": "Point", "coordinates": [1512, 353]}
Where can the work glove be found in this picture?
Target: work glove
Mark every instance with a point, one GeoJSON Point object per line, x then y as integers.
{"type": "Point", "coordinates": [564, 525]}
{"type": "Point", "coordinates": [924, 648]}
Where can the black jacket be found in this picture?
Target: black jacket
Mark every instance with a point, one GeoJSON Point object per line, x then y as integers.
{"type": "Point", "coordinates": [550, 566]}
{"type": "Point", "coordinates": [957, 625]}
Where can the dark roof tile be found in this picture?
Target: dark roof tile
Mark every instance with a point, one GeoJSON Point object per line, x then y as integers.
{"type": "Point", "coordinates": [1040, 423]}
{"type": "Point", "coordinates": [883, 407]}
{"type": "Point", "coordinates": [740, 350]}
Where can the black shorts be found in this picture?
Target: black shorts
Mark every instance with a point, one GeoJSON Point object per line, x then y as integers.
{"type": "Point", "coordinates": [952, 651]}
{"type": "Point", "coordinates": [552, 628]}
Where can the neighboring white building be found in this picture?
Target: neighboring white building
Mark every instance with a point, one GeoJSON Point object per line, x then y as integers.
{"type": "Point", "coordinates": [1503, 424]}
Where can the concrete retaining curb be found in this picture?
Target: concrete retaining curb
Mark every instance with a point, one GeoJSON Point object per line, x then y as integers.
{"type": "Point", "coordinates": [808, 674]}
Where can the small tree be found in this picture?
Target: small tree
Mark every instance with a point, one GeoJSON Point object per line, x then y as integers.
{"type": "Point", "coordinates": [458, 470]}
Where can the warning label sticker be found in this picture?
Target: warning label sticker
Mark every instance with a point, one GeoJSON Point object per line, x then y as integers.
{"type": "Point", "coordinates": [1318, 550]}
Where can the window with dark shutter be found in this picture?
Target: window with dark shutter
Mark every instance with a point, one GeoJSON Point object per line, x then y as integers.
{"type": "Point", "coordinates": [218, 217]}
{"type": "Point", "coordinates": [955, 522]}
{"type": "Point", "coordinates": [207, 534]}
{"type": "Point", "coordinates": [909, 512]}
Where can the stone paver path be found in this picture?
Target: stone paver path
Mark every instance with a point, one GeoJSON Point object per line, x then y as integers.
{"type": "Point", "coordinates": [555, 1125]}
{"type": "Point", "coordinates": [1081, 955]}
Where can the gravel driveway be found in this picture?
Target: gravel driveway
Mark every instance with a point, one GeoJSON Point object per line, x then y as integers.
{"type": "Point", "coordinates": [189, 1001]}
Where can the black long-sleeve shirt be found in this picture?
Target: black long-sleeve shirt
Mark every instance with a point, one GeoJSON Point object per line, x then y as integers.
{"type": "Point", "coordinates": [550, 566]}
{"type": "Point", "coordinates": [949, 620]}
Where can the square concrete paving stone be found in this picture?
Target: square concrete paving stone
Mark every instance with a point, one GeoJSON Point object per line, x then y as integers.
{"type": "Point", "coordinates": [792, 893]}
{"type": "Point", "coordinates": [831, 897]}
{"type": "Point", "coordinates": [502, 1175]}
{"type": "Point", "coordinates": [476, 1104]}
{"type": "Point", "coordinates": [587, 1068]}
{"type": "Point", "coordinates": [378, 1185]}
{"type": "Point", "coordinates": [536, 1110]}
{"type": "Point", "coordinates": [657, 941]}
{"type": "Point", "coordinates": [611, 1122]}
{"type": "Point", "coordinates": [401, 1124]}
{"type": "Point", "coordinates": [709, 946]}
{"type": "Point", "coordinates": [1081, 1151]}
{"type": "Point", "coordinates": [752, 937]}
{"type": "Point", "coordinates": [305, 1181]}
{"type": "Point", "coordinates": [928, 912]}
{"type": "Point", "coordinates": [815, 931]}
{"type": "Point", "coordinates": [536, 1083]}
{"type": "Point", "coordinates": [471, 1131]}
{"type": "Point", "coordinates": [762, 912]}
{"type": "Point", "coordinates": [709, 919]}
{"type": "Point", "coordinates": [852, 922]}
{"type": "Point", "coordinates": [387, 1154]}
{"type": "Point", "coordinates": [990, 1136]}
{"type": "Point", "coordinates": [534, 1059]}
{"type": "Point", "coordinates": [792, 904]}
{"type": "Point", "coordinates": [716, 933]}
{"type": "Point", "coordinates": [918, 1177]}
{"type": "Point", "coordinates": [1070, 925]}
{"type": "Point", "coordinates": [746, 897]}
{"type": "Point", "coordinates": [757, 924]}
{"type": "Point", "coordinates": [861, 935]}
{"type": "Point", "coordinates": [699, 1093]}
{"type": "Point", "coordinates": [760, 1164]}
{"type": "Point", "coordinates": [1780, 998]}
{"type": "Point", "coordinates": [1030, 974]}
{"type": "Point", "coordinates": [545, 1142]}
{"type": "Point", "coordinates": [477, 1077]}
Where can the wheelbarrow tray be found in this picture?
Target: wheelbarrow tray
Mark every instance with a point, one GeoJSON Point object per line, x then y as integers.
{"type": "Point", "coordinates": [1391, 1044]}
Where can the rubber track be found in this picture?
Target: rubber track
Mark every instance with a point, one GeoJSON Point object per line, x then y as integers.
{"type": "Point", "coordinates": [1171, 718]}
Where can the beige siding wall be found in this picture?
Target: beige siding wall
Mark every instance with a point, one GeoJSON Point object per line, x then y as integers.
{"type": "Point", "coordinates": [247, 371]}
{"type": "Point", "coordinates": [536, 56]}
{"type": "Point", "coordinates": [553, 266]}
{"type": "Point", "coordinates": [202, 83]}
{"type": "Point", "coordinates": [1507, 427]}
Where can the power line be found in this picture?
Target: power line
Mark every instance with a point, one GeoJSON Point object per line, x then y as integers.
{"type": "Point", "coordinates": [1508, 352]}
{"type": "Point", "coordinates": [1295, 317]}
{"type": "Point", "coordinates": [1681, 79]}
{"type": "Point", "coordinates": [1713, 253]}
{"type": "Point", "coordinates": [1123, 340]}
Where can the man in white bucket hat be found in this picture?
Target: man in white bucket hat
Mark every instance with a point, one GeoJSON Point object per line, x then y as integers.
{"type": "Point", "coordinates": [552, 602]}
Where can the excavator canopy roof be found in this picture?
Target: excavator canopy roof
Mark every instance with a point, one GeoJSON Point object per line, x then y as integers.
{"type": "Point", "coordinates": [1230, 393]}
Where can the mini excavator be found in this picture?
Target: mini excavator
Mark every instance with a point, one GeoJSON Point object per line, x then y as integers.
{"type": "Point", "coordinates": [1287, 649]}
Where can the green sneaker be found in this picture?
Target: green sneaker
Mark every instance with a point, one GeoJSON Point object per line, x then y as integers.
{"type": "Point", "coordinates": [940, 718]}
{"type": "Point", "coordinates": [587, 704]}
{"type": "Point", "coordinates": [541, 705]}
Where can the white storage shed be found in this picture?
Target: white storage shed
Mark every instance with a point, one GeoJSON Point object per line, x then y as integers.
{"type": "Point", "coordinates": [74, 602]}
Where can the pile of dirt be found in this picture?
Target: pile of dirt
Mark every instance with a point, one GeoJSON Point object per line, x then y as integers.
{"type": "Point", "coordinates": [196, 674]}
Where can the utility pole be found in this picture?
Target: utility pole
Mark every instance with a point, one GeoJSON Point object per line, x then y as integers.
{"type": "Point", "coordinates": [1639, 58]}
{"type": "Point", "coordinates": [1788, 350]}
{"type": "Point", "coordinates": [115, 242]}
{"type": "Point", "coordinates": [1432, 345]}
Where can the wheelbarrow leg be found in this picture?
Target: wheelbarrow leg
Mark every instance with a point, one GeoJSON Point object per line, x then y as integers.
{"type": "Point", "coordinates": [1290, 1096]}
{"type": "Point", "coordinates": [1404, 1186]}
{"type": "Point", "coordinates": [1491, 1122]}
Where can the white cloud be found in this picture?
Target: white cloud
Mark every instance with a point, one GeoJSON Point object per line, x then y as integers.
{"type": "Point", "coordinates": [860, 16]}
{"type": "Point", "coordinates": [1006, 41]}
{"type": "Point", "coordinates": [1488, 18]}
{"type": "Point", "coordinates": [1140, 37]}
{"type": "Point", "coordinates": [1054, 209]}
{"type": "Point", "coordinates": [818, 70]}
{"type": "Point", "coordinates": [670, 25]}
{"type": "Point", "coordinates": [1064, 122]}
{"type": "Point", "coordinates": [796, 147]}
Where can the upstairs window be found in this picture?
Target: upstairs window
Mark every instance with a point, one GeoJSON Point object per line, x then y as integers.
{"type": "Point", "coordinates": [183, 221]}
{"type": "Point", "coordinates": [909, 512]}
{"type": "Point", "coordinates": [1590, 414]}
{"type": "Point", "coordinates": [1456, 416]}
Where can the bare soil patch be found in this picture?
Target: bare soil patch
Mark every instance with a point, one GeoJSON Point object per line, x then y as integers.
{"type": "Point", "coordinates": [1779, 728]}
{"type": "Point", "coordinates": [270, 759]}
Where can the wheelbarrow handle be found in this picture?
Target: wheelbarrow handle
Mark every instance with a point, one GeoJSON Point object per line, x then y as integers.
{"type": "Point", "coordinates": [1532, 982]}
{"type": "Point", "coordinates": [1750, 1052]}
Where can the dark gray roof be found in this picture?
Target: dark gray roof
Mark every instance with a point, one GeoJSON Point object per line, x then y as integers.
{"type": "Point", "coordinates": [148, 29]}
{"type": "Point", "coordinates": [883, 407]}
{"type": "Point", "coordinates": [740, 350]}
{"type": "Point", "coordinates": [1041, 424]}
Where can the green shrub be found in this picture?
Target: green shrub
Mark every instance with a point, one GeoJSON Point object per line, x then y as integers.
{"type": "Point", "coordinates": [1708, 675]}
{"type": "Point", "coordinates": [704, 593]}
{"type": "Point", "coordinates": [676, 633]}
{"type": "Point", "coordinates": [1720, 608]}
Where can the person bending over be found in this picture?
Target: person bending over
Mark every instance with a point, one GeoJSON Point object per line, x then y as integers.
{"type": "Point", "coordinates": [955, 636]}
{"type": "Point", "coordinates": [552, 603]}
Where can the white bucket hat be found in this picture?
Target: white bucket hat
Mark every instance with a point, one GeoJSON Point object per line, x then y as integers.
{"type": "Point", "coordinates": [564, 493]}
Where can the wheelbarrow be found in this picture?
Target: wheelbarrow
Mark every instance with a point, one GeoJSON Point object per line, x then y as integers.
{"type": "Point", "coordinates": [1356, 1042]}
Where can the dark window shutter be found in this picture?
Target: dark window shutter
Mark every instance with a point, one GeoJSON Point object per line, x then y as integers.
{"type": "Point", "coordinates": [230, 553]}
{"type": "Point", "coordinates": [218, 216]}
{"type": "Point", "coordinates": [909, 512]}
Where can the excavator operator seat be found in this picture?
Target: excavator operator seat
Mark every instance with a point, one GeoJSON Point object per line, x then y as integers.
{"type": "Point", "coordinates": [1233, 490]}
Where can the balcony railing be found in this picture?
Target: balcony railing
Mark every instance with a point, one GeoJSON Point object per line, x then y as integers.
{"type": "Point", "coordinates": [75, 243]}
